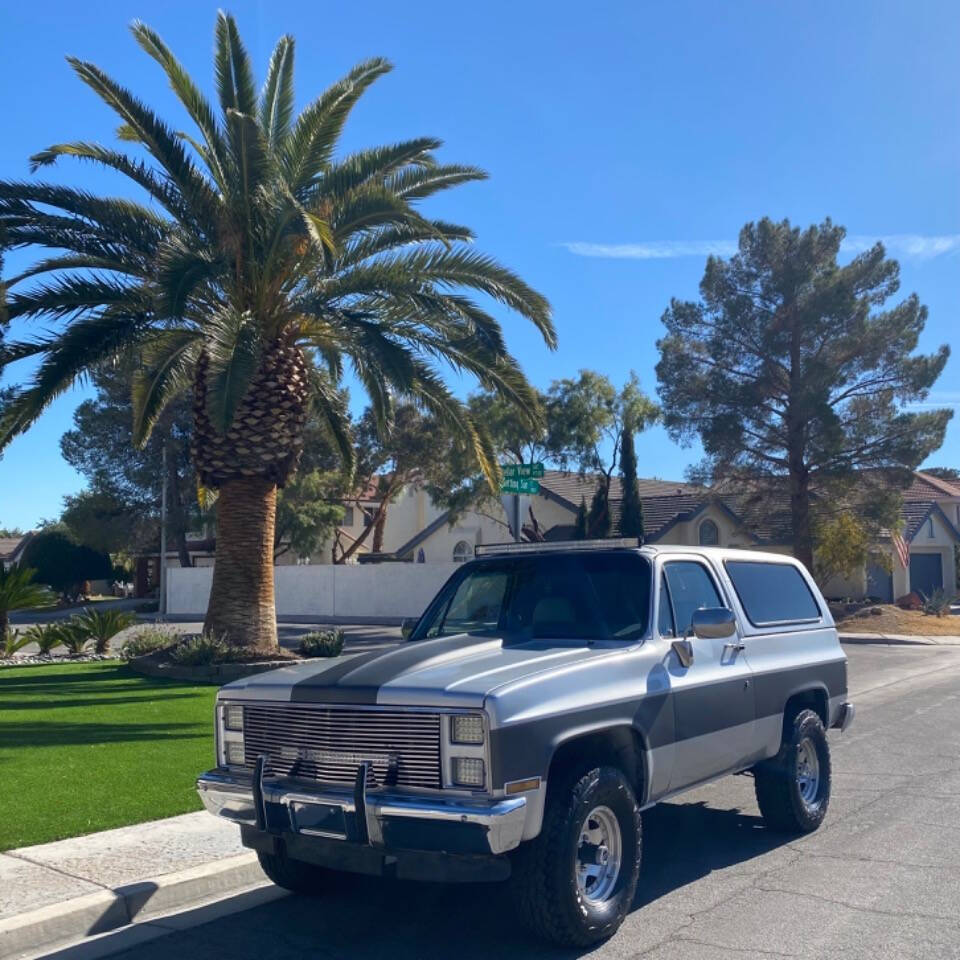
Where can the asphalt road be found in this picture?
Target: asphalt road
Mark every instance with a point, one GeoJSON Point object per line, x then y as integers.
{"type": "Point", "coordinates": [881, 878]}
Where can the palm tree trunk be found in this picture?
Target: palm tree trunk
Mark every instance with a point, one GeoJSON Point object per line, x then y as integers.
{"type": "Point", "coordinates": [242, 606]}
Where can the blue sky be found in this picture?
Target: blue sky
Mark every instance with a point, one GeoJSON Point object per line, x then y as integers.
{"type": "Point", "coordinates": [625, 141]}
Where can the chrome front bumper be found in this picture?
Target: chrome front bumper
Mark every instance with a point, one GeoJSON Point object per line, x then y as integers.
{"type": "Point", "coordinates": [845, 716]}
{"type": "Point", "coordinates": [377, 817]}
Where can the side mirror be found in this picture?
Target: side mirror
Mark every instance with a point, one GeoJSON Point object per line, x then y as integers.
{"type": "Point", "coordinates": [407, 626]}
{"type": "Point", "coordinates": [714, 623]}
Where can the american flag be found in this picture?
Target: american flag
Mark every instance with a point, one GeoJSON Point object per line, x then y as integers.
{"type": "Point", "coordinates": [903, 550]}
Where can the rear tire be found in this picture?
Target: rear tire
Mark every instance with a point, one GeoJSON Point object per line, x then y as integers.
{"type": "Point", "coordinates": [574, 884]}
{"type": "Point", "coordinates": [294, 875]}
{"type": "Point", "coordinates": [793, 788]}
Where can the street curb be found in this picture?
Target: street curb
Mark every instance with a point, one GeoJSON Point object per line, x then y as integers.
{"type": "Point", "coordinates": [106, 910]}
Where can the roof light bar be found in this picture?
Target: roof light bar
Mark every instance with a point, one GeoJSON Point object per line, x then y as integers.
{"type": "Point", "coordinates": [615, 543]}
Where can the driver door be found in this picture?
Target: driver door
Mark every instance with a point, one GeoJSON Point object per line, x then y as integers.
{"type": "Point", "coordinates": [714, 709]}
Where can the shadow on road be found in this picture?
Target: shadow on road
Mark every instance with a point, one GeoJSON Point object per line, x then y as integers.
{"type": "Point", "coordinates": [390, 920]}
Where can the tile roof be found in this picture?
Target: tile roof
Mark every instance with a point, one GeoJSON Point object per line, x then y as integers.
{"type": "Point", "coordinates": [571, 487]}
{"type": "Point", "coordinates": [11, 546]}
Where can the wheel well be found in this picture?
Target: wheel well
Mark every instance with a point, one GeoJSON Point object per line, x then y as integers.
{"type": "Point", "coordinates": [815, 700]}
{"type": "Point", "coordinates": [620, 747]}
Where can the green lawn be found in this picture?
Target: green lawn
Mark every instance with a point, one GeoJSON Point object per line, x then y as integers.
{"type": "Point", "coordinates": [89, 746]}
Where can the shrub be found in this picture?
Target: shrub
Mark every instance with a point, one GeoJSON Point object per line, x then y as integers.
{"type": "Point", "coordinates": [101, 625]}
{"type": "Point", "coordinates": [147, 640]}
{"type": "Point", "coordinates": [325, 643]}
{"type": "Point", "coordinates": [937, 604]}
{"type": "Point", "coordinates": [64, 564]}
{"type": "Point", "coordinates": [13, 640]}
{"type": "Point", "coordinates": [47, 636]}
{"type": "Point", "coordinates": [73, 637]}
{"type": "Point", "coordinates": [200, 651]}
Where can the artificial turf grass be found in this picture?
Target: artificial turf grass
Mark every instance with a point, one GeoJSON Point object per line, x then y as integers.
{"type": "Point", "coordinates": [90, 746]}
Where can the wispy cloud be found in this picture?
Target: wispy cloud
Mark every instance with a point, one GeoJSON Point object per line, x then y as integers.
{"type": "Point", "coordinates": [910, 246]}
{"type": "Point", "coordinates": [937, 400]}
{"type": "Point", "coordinates": [653, 249]}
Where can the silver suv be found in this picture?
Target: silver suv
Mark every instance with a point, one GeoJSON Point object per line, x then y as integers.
{"type": "Point", "coordinates": [549, 694]}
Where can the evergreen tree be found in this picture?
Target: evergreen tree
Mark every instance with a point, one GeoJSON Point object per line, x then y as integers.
{"type": "Point", "coordinates": [631, 509]}
{"type": "Point", "coordinates": [792, 372]}
{"type": "Point", "coordinates": [598, 519]}
{"type": "Point", "coordinates": [580, 525]}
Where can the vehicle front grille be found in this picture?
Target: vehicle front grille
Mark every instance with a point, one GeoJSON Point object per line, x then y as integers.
{"type": "Point", "coordinates": [328, 744]}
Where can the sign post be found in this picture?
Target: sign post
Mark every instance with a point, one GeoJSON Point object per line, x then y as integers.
{"type": "Point", "coordinates": [519, 479]}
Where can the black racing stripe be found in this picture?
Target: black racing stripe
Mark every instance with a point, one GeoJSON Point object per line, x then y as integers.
{"type": "Point", "coordinates": [525, 749]}
{"type": "Point", "coordinates": [306, 690]}
{"type": "Point", "coordinates": [359, 680]}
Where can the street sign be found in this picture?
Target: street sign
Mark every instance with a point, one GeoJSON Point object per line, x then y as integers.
{"type": "Point", "coordinates": [519, 485]}
{"type": "Point", "coordinates": [521, 470]}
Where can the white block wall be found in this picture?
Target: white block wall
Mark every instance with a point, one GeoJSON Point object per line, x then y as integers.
{"type": "Point", "coordinates": [351, 591]}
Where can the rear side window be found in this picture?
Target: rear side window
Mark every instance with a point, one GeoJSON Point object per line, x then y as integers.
{"type": "Point", "coordinates": [772, 592]}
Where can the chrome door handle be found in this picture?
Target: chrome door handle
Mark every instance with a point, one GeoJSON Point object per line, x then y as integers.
{"type": "Point", "coordinates": [735, 647]}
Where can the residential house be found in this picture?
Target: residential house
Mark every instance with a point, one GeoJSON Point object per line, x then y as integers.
{"type": "Point", "coordinates": [11, 549]}
{"type": "Point", "coordinates": [678, 513]}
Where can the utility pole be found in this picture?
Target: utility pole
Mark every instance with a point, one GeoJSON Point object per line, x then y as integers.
{"type": "Point", "coordinates": [162, 608]}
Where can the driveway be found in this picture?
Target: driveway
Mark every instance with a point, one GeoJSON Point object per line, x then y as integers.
{"type": "Point", "coordinates": [880, 879]}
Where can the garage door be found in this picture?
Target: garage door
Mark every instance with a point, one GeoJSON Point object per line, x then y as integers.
{"type": "Point", "coordinates": [926, 573]}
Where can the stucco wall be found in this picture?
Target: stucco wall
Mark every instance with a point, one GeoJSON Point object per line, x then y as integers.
{"type": "Point", "coordinates": [351, 591]}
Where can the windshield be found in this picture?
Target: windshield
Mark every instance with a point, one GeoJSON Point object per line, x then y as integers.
{"type": "Point", "coordinates": [589, 596]}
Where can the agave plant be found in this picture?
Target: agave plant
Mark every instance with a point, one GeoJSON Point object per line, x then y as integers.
{"type": "Point", "coordinates": [259, 266]}
{"type": "Point", "coordinates": [18, 591]}
{"type": "Point", "coordinates": [101, 626]}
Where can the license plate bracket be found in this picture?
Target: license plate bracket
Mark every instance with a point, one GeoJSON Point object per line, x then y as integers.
{"type": "Point", "coordinates": [318, 820]}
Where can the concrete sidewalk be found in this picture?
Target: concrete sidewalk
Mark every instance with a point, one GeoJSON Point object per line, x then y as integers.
{"type": "Point", "coordinates": [907, 638]}
{"type": "Point", "coordinates": [56, 893]}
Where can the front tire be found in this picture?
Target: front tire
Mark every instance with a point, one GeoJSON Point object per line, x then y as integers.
{"type": "Point", "coordinates": [574, 884]}
{"type": "Point", "coordinates": [294, 875]}
{"type": "Point", "coordinates": [793, 789]}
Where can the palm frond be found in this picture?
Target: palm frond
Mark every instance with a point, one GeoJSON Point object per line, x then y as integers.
{"type": "Point", "coordinates": [71, 354]}
{"type": "Point", "coordinates": [234, 348]}
{"type": "Point", "coordinates": [196, 104]}
{"type": "Point", "coordinates": [317, 130]}
{"type": "Point", "coordinates": [169, 361]}
{"type": "Point", "coordinates": [233, 71]}
{"type": "Point", "coordinates": [276, 98]}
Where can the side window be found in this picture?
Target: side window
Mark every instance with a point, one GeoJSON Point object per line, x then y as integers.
{"type": "Point", "coordinates": [772, 592]}
{"type": "Point", "coordinates": [691, 588]}
{"type": "Point", "coordinates": [665, 615]}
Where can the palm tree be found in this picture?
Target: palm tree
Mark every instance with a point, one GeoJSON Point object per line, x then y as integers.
{"type": "Point", "coordinates": [259, 267]}
{"type": "Point", "coordinates": [19, 592]}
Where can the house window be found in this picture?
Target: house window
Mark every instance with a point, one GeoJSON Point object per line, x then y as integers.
{"type": "Point", "coordinates": [709, 534]}
{"type": "Point", "coordinates": [462, 552]}
{"type": "Point", "coordinates": [347, 517]}
{"type": "Point", "coordinates": [930, 533]}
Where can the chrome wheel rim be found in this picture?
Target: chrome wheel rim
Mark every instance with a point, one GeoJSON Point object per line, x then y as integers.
{"type": "Point", "coordinates": [808, 772]}
{"type": "Point", "coordinates": [599, 855]}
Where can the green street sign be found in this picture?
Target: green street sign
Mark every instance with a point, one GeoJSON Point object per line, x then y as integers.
{"type": "Point", "coordinates": [519, 485]}
{"type": "Point", "coordinates": [521, 470]}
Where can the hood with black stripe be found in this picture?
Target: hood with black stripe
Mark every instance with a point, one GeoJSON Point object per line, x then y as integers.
{"type": "Point", "coordinates": [455, 671]}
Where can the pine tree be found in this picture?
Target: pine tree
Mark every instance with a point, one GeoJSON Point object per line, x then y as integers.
{"type": "Point", "coordinates": [580, 525]}
{"type": "Point", "coordinates": [598, 519]}
{"type": "Point", "coordinates": [631, 510]}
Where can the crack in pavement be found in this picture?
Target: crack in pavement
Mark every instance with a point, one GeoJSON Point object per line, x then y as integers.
{"type": "Point", "coordinates": [899, 915]}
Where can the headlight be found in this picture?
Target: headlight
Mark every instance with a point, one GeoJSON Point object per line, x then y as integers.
{"type": "Point", "coordinates": [235, 753]}
{"type": "Point", "coordinates": [467, 728]}
{"type": "Point", "coordinates": [233, 717]}
{"type": "Point", "coordinates": [468, 772]}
